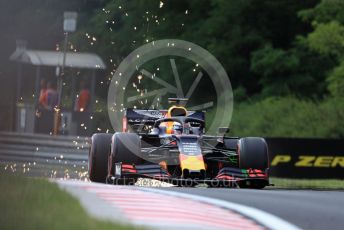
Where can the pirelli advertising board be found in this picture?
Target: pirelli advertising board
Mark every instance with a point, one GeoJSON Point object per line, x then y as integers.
{"type": "Point", "coordinates": [306, 158]}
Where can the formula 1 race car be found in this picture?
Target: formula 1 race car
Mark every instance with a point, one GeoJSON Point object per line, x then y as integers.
{"type": "Point", "coordinates": [170, 146]}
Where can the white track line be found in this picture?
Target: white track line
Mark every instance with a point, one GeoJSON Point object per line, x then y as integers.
{"type": "Point", "coordinates": [266, 219]}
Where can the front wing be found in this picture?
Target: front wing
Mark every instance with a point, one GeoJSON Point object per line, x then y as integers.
{"type": "Point", "coordinates": [226, 177]}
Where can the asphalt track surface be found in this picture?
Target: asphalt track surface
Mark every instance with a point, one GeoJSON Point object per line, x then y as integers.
{"type": "Point", "coordinates": [307, 209]}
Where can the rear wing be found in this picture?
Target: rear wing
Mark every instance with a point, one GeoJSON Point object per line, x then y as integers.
{"type": "Point", "coordinates": [134, 118]}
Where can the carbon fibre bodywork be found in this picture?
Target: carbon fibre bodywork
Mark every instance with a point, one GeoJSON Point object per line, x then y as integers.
{"type": "Point", "coordinates": [186, 157]}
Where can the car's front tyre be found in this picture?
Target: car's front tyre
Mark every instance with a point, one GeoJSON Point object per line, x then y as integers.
{"type": "Point", "coordinates": [253, 154]}
{"type": "Point", "coordinates": [125, 149]}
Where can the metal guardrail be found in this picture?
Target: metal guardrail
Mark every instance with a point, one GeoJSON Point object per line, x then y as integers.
{"type": "Point", "coordinates": [25, 147]}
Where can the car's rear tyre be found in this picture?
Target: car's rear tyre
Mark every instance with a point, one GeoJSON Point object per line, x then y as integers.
{"type": "Point", "coordinates": [125, 148]}
{"type": "Point", "coordinates": [98, 157]}
{"type": "Point", "coordinates": [253, 153]}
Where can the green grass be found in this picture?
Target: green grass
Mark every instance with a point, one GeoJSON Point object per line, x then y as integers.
{"type": "Point", "coordinates": [28, 203]}
{"type": "Point", "coordinates": [307, 183]}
